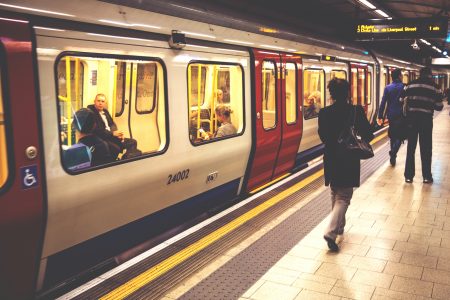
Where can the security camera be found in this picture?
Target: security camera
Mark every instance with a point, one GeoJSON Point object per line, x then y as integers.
{"type": "Point", "coordinates": [415, 46]}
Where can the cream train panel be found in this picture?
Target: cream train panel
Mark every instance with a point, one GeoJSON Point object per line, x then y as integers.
{"type": "Point", "coordinates": [83, 206]}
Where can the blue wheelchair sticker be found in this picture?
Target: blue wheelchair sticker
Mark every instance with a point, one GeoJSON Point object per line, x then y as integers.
{"type": "Point", "coordinates": [29, 177]}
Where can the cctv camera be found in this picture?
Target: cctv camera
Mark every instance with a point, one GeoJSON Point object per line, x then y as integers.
{"type": "Point", "coordinates": [415, 46]}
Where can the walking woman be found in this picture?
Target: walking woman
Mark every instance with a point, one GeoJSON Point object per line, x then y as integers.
{"type": "Point", "coordinates": [342, 172]}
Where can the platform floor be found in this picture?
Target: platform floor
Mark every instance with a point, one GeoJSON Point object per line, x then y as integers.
{"type": "Point", "coordinates": [397, 241]}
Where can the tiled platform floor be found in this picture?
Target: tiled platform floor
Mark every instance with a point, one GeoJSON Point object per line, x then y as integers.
{"type": "Point", "coordinates": [397, 241]}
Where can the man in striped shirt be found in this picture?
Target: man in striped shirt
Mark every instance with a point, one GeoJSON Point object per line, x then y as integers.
{"type": "Point", "coordinates": [421, 97]}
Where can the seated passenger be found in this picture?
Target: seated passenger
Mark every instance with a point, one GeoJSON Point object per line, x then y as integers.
{"type": "Point", "coordinates": [205, 115]}
{"type": "Point", "coordinates": [90, 150]}
{"type": "Point", "coordinates": [313, 105]}
{"type": "Point", "coordinates": [107, 130]}
{"type": "Point", "coordinates": [223, 113]}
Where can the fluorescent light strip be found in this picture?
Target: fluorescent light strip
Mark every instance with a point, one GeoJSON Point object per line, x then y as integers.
{"type": "Point", "coordinates": [272, 47]}
{"type": "Point", "coordinates": [129, 25]}
{"type": "Point", "coordinates": [118, 37]}
{"type": "Point", "coordinates": [425, 42]}
{"type": "Point", "coordinates": [188, 8]}
{"type": "Point", "coordinates": [401, 61]}
{"type": "Point", "coordinates": [198, 34]}
{"type": "Point", "coordinates": [293, 50]}
{"type": "Point", "coordinates": [382, 13]}
{"type": "Point", "coordinates": [46, 28]}
{"type": "Point", "coordinates": [231, 50]}
{"type": "Point", "coordinates": [239, 42]}
{"type": "Point", "coordinates": [36, 10]}
{"type": "Point", "coordinates": [14, 20]}
{"type": "Point", "coordinates": [367, 3]}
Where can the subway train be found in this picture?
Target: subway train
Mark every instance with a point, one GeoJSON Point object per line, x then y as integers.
{"type": "Point", "coordinates": [162, 77]}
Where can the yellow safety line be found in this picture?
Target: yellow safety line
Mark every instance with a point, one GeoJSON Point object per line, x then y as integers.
{"type": "Point", "coordinates": [381, 136]}
{"type": "Point", "coordinates": [141, 280]}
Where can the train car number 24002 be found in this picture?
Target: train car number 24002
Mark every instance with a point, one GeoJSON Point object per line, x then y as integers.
{"type": "Point", "coordinates": [181, 175]}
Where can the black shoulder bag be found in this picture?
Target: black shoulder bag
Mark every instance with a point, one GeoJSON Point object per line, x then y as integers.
{"type": "Point", "coordinates": [351, 144]}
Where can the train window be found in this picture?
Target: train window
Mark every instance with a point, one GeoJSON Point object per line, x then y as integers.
{"type": "Point", "coordinates": [369, 87]}
{"type": "Point", "coordinates": [96, 131]}
{"type": "Point", "coordinates": [269, 105]}
{"type": "Point", "coordinates": [291, 93]}
{"type": "Point", "coordinates": [120, 84]}
{"type": "Point", "coordinates": [314, 92]}
{"type": "Point", "coordinates": [405, 78]}
{"type": "Point", "coordinates": [338, 74]}
{"type": "Point", "coordinates": [146, 87]}
{"type": "Point", "coordinates": [220, 113]}
{"type": "Point", "coordinates": [354, 86]}
{"type": "Point", "coordinates": [3, 142]}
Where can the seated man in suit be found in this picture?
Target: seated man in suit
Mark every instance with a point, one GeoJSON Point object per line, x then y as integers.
{"type": "Point", "coordinates": [108, 131]}
{"type": "Point", "coordinates": [90, 150]}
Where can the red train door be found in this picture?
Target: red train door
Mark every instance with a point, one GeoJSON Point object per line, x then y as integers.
{"type": "Point", "coordinates": [276, 142]}
{"type": "Point", "coordinates": [21, 191]}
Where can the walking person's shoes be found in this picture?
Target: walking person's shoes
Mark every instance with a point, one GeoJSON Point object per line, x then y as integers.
{"type": "Point", "coordinates": [408, 180]}
{"type": "Point", "coordinates": [428, 180]}
{"type": "Point", "coordinates": [392, 161]}
{"type": "Point", "coordinates": [339, 239]}
{"type": "Point", "coordinates": [331, 243]}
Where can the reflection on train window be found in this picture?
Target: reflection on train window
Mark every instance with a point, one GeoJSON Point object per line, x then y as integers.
{"type": "Point", "coordinates": [291, 93]}
{"type": "Point", "coordinates": [269, 104]}
{"type": "Point", "coordinates": [314, 92]}
{"type": "Point", "coordinates": [146, 88]}
{"type": "Point", "coordinates": [3, 148]}
{"type": "Point", "coordinates": [220, 111]}
{"type": "Point", "coordinates": [108, 115]}
{"type": "Point", "coordinates": [369, 87]}
{"type": "Point", "coordinates": [197, 76]}
{"type": "Point", "coordinates": [383, 80]}
{"type": "Point", "coordinates": [341, 74]}
{"type": "Point", "coordinates": [122, 73]}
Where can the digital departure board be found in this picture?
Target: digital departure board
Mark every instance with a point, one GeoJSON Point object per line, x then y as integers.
{"type": "Point", "coordinates": [401, 29]}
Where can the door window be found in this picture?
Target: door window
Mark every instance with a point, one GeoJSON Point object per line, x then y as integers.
{"type": "Point", "coordinates": [291, 93]}
{"type": "Point", "coordinates": [3, 141]}
{"type": "Point", "coordinates": [269, 105]}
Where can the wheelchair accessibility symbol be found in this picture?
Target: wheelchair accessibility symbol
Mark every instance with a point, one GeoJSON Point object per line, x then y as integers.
{"type": "Point", "coordinates": [29, 177]}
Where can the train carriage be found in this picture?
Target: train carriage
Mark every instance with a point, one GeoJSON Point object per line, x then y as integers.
{"type": "Point", "coordinates": [60, 214]}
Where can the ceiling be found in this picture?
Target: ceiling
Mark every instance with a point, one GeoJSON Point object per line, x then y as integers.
{"type": "Point", "coordinates": [334, 19]}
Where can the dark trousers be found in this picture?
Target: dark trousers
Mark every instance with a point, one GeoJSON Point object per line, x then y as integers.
{"type": "Point", "coordinates": [395, 146]}
{"type": "Point", "coordinates": [422, 129]}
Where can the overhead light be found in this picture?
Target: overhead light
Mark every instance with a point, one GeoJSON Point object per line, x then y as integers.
{"type": "Point", "coordinates": [402, 61]}
{"type": "Point", "coordinates": [198, 34]}
{"type": "Point", "coordinates": [119, 37]}
{"type": "Point", "coordinates": [445, 52]}
{"type": "Point", "coordinates": [46, 28]}
{"type": "Point", "coordinates": [238, 42]}
{"type": "Point", "coordinates": [13, 20]}
{"type": "Point", "coordinates": [382, 13]}
{"type": "Point", "coordinates": [128, 24]}
{"type": "Point", "coordinates": [36, 10]}
{"type": "Point", "coordinates": [272, 47]}
{"type": "Point", "coordinates": [425, 42]}
{"type": "Point", "coordinates": [368, 4]}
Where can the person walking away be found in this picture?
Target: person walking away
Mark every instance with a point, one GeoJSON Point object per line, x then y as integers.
{"type": "Point", "coordinates": [391, 107]}
{"type": "Point", "coordinates": [342, 171]}
{"type": "Point", "coordinates": [421, 98]}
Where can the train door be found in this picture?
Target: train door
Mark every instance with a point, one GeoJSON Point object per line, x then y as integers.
{"type": "Point", "coordinates": [22, 207]}
{"type": "Point", "coordinates": [120, 106]}
{"type": "Point", "coordinates": [273, 81]}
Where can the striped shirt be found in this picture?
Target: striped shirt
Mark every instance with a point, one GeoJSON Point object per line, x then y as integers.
{"type": "Point", "coordinates": [421, 96]}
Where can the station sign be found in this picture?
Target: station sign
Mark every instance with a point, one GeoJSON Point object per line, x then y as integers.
{"type": "Point", "coordinates": [400, 29]}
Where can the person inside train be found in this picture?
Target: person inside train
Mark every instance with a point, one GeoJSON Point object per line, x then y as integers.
{"type": "Point", "coordinates": [205, 114]}
{"type": "Point", "coordinates": [342, 171]}
{"type": "Point", "coordinates": [313, 105]}
{"type": "Point", "coordinates": [90, 150]}
{"type": "Point", "coordinates": [107, 130]}
{"type": "Point", "coordinates": [223, 113]}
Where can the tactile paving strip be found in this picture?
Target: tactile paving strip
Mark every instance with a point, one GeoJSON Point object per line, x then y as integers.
{"type": "Point", "coordinates": [235, 277]}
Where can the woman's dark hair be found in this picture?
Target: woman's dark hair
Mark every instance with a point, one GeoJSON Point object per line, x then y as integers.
{"type": "Point", "coordinates": [339, 89]}
{"type": "Point", "coordinates": [396, 74]}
